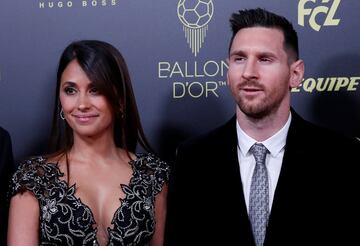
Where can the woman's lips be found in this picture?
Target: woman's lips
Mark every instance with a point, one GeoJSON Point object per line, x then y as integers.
{"type": "Point", "coordinates": [85, 118]}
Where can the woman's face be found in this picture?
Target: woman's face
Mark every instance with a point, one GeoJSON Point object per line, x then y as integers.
{"type": "Point", "coordinates": [86, 110]}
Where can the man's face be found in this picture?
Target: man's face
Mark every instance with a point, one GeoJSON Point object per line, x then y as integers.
{"type": "Point", "coordinates": [259, 75]}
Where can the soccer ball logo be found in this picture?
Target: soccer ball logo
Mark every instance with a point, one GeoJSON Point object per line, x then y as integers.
{"type": "Point", "coordinates": [195, 13]}
{"type": "Point", "coordinates": [195, 16]}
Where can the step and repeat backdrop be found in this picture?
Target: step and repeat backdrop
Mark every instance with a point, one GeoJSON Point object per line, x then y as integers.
{"type": "Point", "coordinates": [176, 51]}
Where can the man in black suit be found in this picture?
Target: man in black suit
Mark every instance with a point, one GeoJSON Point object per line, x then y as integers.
{"type": "Point", "coordinates": [311, 179]}
{"type": "Point", "coordinates": [6, 169]}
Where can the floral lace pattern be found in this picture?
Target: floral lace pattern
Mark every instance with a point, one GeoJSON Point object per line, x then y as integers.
{"type": "Point", "coordinates": [65, 220]}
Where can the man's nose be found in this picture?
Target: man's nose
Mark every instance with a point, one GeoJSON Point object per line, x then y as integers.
{"type": "Point", "coordinates": [250, 69]}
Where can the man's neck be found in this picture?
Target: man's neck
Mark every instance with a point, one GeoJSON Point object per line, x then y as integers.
{"type": "Point", "coordinates": [263, 128]}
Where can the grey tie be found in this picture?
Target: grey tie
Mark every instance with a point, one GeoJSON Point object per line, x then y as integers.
{"type": "Point", "coordinates": [259, 195]}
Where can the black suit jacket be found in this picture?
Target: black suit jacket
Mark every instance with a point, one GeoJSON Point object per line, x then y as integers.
{"type": "Point", "coordinates": [316, 191]}
{"type": "Point", "coordinates": [6, 170]}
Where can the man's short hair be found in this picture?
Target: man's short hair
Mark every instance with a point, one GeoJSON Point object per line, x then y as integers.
{"type": "Point", "coordinates": [262, 18]}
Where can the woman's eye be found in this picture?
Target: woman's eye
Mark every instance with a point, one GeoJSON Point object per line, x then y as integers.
{"type": "Point", "coordinates": [94, 91]}
{"type": "Point", "coordinates": [70, 90]}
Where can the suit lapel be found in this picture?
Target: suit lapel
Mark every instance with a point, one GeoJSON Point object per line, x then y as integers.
{"type": "Point", "coordinates": [289, 180]}
{"type": "Point", "coordinates": [227, 146]}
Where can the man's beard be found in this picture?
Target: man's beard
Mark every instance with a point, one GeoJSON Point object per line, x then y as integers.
{"type": "Point", "coordinates": [262, 108]}
{"type": "Point", "coordinates": [258, 111]}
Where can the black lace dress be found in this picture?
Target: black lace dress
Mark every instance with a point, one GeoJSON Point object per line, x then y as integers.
{"type": "Point", "coordinates": [65, 220]}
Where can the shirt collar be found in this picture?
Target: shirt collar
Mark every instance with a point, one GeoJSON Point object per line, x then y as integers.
{"type": "Point", "coordinates": [275, 144]}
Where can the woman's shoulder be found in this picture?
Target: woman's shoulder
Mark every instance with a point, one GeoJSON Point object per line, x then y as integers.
{"type": "Point", "coordinates": [37, 166]}
{"type": "Point", "coordinates": [151, 165]}
{"type": "Point", "coordinates": [33, 174]}
{"type": "Point", "coordinates": [150, 161]}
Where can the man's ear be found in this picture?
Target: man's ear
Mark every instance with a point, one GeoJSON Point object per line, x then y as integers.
{"type": "Point", "coordinates": [296, 73]}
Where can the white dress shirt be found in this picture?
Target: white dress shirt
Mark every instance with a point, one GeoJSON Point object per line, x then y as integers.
{"type": "Point", "coordinates": [276, 146]}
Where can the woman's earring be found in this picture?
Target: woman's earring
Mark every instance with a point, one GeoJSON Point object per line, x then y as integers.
{"type": "Point", "coordinates": [62, 116]}
{"type": "Point", "coordinates": [120, 113]}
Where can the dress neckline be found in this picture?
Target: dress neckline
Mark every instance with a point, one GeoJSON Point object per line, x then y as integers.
{"type": "Point", "coordinates": [87, 208]}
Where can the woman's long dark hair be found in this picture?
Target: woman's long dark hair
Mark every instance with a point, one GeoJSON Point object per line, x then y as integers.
{"type": "Point", "coordinates": [106, 69]}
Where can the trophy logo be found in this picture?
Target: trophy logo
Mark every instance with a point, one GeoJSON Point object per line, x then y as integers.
{"type": "Point", "coordinates": [195, 16]}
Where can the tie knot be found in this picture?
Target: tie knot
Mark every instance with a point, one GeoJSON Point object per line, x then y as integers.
{"type": "Point", "coordinates": [259, 151]}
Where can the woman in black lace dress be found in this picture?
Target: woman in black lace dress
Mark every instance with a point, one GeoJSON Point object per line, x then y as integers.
{"type": "Point", "coordinates": [92, 189]}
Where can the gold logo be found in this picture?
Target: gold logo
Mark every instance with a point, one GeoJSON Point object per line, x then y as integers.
{"type": "Point", "coordinates": [329, 13]}
{"type": "Point", "coordinates": [333, 84]}
{"type": "Point", "coordinates": [195, 16]}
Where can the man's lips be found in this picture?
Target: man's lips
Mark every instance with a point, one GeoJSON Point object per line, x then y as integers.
{"type": "Point", "coordinates": [251, 89]}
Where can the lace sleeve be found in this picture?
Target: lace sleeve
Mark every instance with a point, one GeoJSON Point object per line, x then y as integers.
{"type": "Point", "coordinates": [33, 175]}
{"type": "Point", "coordinates": [154, 169]}
{"type": "Point", "coordinates": [161, 171]}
